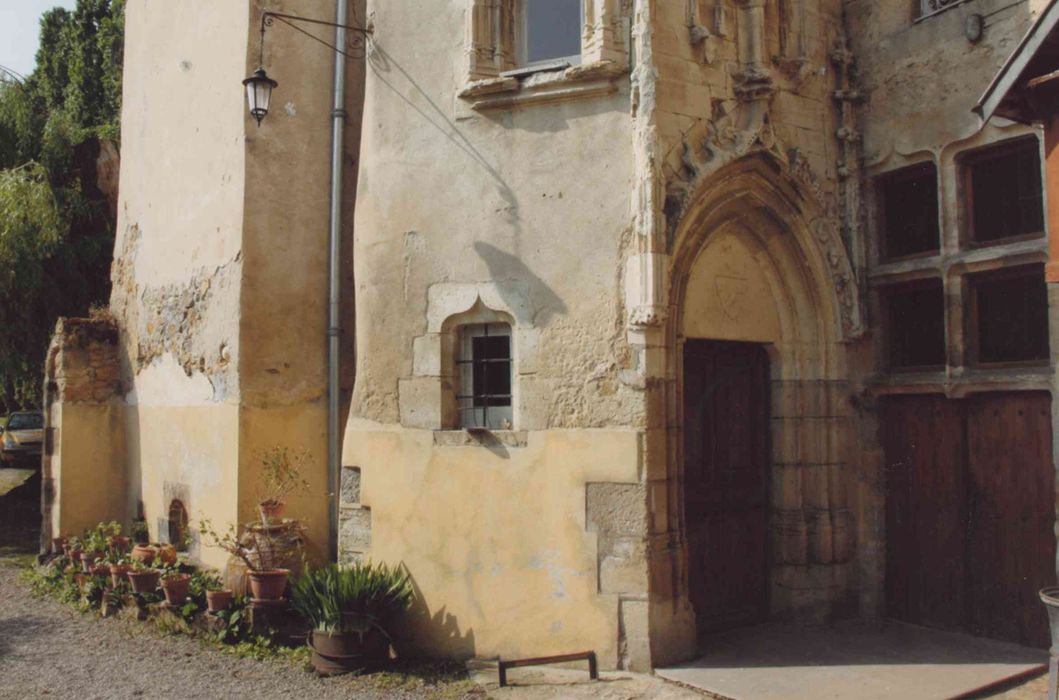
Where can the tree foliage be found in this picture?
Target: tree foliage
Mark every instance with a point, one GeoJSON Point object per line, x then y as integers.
{"type": "Point", "coordinates": [56, 229]}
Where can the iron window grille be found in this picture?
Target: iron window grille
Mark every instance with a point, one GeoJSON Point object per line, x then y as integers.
{"type": "Point", "coordinates": [484, 365]}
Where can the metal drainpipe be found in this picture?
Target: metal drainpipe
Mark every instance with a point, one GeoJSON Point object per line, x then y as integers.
{"type": "Point", "coordinates": [338, 124]}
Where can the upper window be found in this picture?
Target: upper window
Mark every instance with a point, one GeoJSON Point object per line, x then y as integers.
{"type": "Point", "coordinates": [914, 318]}
{"type": "Point", "coordinates": [1004, 195]}
{"type": "Point", "coordinates": [550, 31]}
{"type": "Point", "coordinates": [908, 212]}
{"type": "Point", "coordinates": [484, 363]}
{"type": "Point", "coordinates": [1009, 316]}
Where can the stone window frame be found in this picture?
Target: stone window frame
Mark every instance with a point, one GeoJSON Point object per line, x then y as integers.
{"type": "Point", "coordinates": [494, 80]}
{"type": "Point", "coordinates": [967, 161]}
{"type": "Point", "coordinates": [881, 185]}
{"type": "Point", "coordinates": [428, 397]}
{"type": "Point", "coordinates": [464, 335]}
{"type": "Point", "coordinates": [955, 264]}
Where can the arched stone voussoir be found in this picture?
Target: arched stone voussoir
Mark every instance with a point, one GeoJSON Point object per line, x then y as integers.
{"type": "Point", "coordinates": [760, 187]}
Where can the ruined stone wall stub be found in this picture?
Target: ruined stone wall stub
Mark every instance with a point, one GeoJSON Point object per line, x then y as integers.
{"type": "Point", "coordinates": [84, 443]}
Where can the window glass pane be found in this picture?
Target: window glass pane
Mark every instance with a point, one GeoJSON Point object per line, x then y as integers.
{"type": "Point", "coordinates": [484, 361]}
{"type": "Point", "coordinates": [908, 207]}
{"type": "Point", "coordinates": [553, 29]}
{"type": "Point", "coordinates": [1012, 316]}
{"type": "Point", "coordinates": [915, 324]}
{"type": "Point", "coordinates": [492, 371]}
{"type": "Point", "coordinates": [26, 421]}
{"type": "Point", "coordinates": [1006, 196]}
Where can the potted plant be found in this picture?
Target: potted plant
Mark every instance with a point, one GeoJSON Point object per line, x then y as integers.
{"type": "Point", "coordinates": [208, 585]}
{"type": "Point", "coordinates": [147, 553]}
{"type": "Point", "coordinates": [281, 476]}
{"type": "Point", "coordinates": [96, 542]}
{"type": "Point", "coordinates": [117, 566]}
{"type": "Point", "coordinates": [143, 578]}
{"type": "Point", "coordinates": [175, 586]}
{"type": "Point", "coordinates": [218, 600]}
{"type": "Point", "coordinates": [267, 581]}
{"type": "Point", "coordinates": [350, 611]}
{"type": "Point", "coordinates": [73, 550]}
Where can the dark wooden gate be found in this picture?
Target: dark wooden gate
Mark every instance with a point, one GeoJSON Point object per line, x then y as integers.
{"type": "Point", "coordinates": [969, 512]}
{"type": "Point", "coordinates": [726, 422]}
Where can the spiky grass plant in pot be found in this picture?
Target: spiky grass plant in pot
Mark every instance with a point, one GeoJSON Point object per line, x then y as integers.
{"type": "Point", "coordinates": [352, 611]}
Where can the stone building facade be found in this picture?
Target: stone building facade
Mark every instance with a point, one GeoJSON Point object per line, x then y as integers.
{"type": "Point", "coordinates": [622, 369]}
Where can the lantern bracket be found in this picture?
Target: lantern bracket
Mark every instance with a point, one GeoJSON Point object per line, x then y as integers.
{"type": "Point", "coordinates": [355, 48]}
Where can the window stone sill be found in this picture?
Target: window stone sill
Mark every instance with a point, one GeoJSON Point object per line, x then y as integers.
{"type": "Point", "coordinates": [480, 438]}
{"type": "Point", "coordinates": [575, 82]}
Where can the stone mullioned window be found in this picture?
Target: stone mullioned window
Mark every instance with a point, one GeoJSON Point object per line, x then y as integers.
{"type": "Point", "coordinates": [510, 45]}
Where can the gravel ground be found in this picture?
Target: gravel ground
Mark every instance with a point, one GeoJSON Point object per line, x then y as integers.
{"type": "Point", "coordinates": [51, 650]}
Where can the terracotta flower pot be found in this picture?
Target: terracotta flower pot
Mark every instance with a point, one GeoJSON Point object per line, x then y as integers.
{"type": "Point", "coordinates": [334, 654]}
{"type": "Point", "coordinates": [59, 546]}
{"type": "Point", "coordinates": [145, 581]}
{"type": "Point", "coordinates": [167, 553]}
{"type": "Point", "coordinates": [88, 560]}
{"type": "Point", "coordinates": [119, 573]}
{"type": "Point", "coordinates": [119, 543]}
{"type": "Point", "coordinates": [144, 553]}
{"type": "Point", "coordinates": [175, 587]}
{"type": "Point", "coordinates": [100, 570]}
{"type": "Point", "coordinates": [268, 585]}
{"type": "Point", "coordinates": [74, 554]}
{"type": "Point", "coordinates": [272, 511]}
{"type": "Point", "coordinates": [217, 601]}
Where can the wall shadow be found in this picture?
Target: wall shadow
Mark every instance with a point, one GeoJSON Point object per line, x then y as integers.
{"type": "Point", "coordinates": [502, 265]}
{"type": "Point", "coordinates": [430, 633]}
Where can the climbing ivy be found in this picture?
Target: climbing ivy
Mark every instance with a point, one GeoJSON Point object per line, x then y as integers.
{"type": "Point", "coordinates": [56, 226]}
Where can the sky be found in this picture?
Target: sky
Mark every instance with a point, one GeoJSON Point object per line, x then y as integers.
{"type": "Point", "coordinates": [20, 31]}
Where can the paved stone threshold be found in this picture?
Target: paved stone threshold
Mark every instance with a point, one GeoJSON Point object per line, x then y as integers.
{"type": "Point", "coordinates": [864, 660]}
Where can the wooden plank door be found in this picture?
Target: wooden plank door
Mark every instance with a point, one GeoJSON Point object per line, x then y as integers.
{"type": "Point", "coordinates": [926, 507]}
{"type": "Point", "coordinates": [726, 404]}
{"type": "Point", "coordinates": [1012, 515]}
{"type": "Point", "coordinates": [970, 512]}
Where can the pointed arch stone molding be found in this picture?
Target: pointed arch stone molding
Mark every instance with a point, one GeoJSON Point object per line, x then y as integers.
{"type": "Point", "coordinates": [768, 185]}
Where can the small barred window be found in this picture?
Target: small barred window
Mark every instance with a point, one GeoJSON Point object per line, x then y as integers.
{"type": "Point", "coordinates": [484, 365]}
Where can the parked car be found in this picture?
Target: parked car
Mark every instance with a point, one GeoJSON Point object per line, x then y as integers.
{"type": "Point", "coordinates": [22, 437]}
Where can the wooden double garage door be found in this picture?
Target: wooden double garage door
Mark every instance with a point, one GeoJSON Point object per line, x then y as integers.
{"type": "Point", "coordinates": [970, 512]}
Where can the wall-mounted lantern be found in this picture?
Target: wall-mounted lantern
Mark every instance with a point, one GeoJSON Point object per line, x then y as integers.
{"type": "Point", "coordinates": [259, 89]}
{"type": "Point", "coordinates": [259, 86]}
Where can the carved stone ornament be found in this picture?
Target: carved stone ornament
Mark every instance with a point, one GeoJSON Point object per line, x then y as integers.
{"type": "Point", "coordinates": [826, 234]}
{"type": "Point", "coordinates": [648, 315]}
{"type": "Point", "coordinates": [736, 129]}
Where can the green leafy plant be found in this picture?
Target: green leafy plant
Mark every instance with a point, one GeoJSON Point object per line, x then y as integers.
{"type": "Point", "coordinates": [56, 214]}
{"type": "Point", "coordinates": [139, 532]}
{"type": "Point", "coordinates": [354, 599]}
{"type": "Point", "coordinates": [97, 539]}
